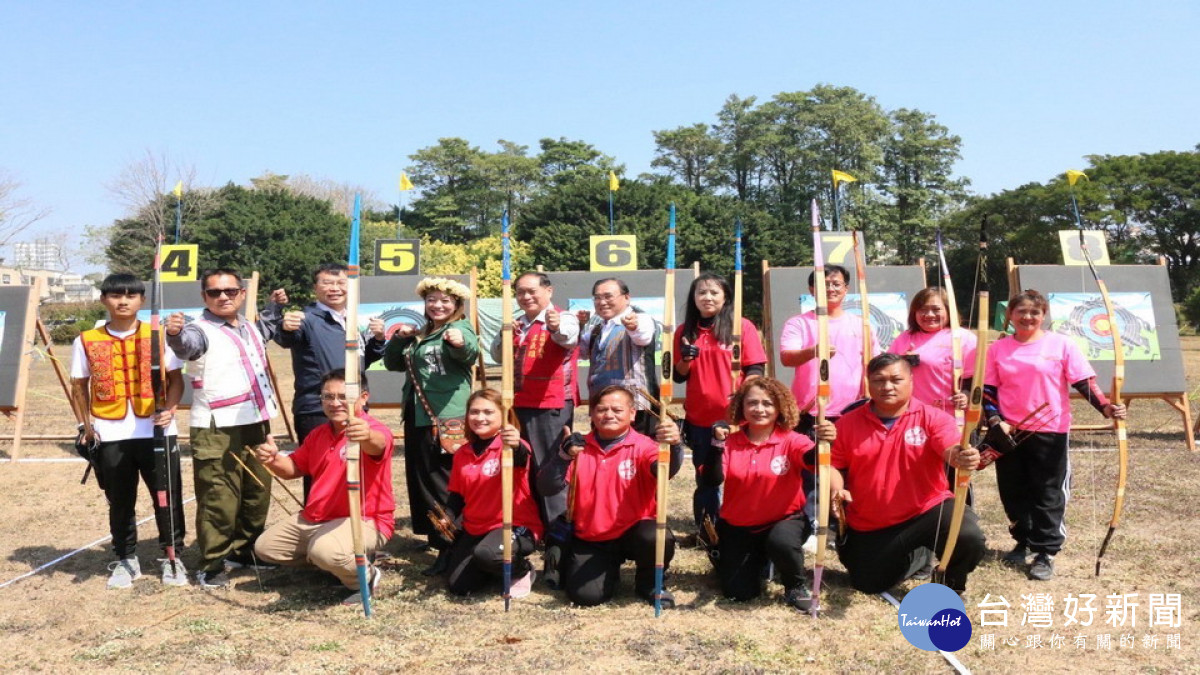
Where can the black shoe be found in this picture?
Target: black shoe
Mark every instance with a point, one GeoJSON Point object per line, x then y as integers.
{"type": "Point", "coordinates": [1017, 557]}
{"type": "Point", "coordinates": [212, 581]}
{"type": "Point", "coordinates": [237, 561]}
{"type": "Point", "coordinates": [439, 566]}
{"type": "Point", "coordinates": [1042, 568]}
{"type": "Point", "coordinates": [799, 597]}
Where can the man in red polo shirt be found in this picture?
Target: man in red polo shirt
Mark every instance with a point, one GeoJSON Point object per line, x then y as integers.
{"type": "Point", "coordinates": [891, 453]}
{"type": "Point", "coordinates": [615, 472]}
{"type": "Point", "coordinates": [320, 534]}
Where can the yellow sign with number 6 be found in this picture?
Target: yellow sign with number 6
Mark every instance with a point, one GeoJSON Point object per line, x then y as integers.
{"type": "Point", "coordinates": [614, 252]}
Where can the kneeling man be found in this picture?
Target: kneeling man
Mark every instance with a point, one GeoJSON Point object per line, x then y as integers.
{"type": "Point", "coordinates": [613, 499]}
{"type": "Point", "coordinates": [891, 453]}
{"type": "Point", "coordinates": [320, 535]}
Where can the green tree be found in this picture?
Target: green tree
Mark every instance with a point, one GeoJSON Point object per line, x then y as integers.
{"type": "Point", "coordinates": [281, 235]}
{"type": "Point", "coordinates": [737, 129]}
{"type": "Point", "coordinates": [689, 154]}
{"type": "Point", "coordinates": [918, 160]}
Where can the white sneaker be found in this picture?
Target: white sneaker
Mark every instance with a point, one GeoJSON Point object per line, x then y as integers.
{"type": "Point", "coordinates": [376, 576]}
{"type": "Point", "coordinates": [178, 578]}
{"type": "Point", "coordinates": [810, 545]}
{"type": "Point", "coordinates": [523, 586]}
{"type": "Point", "coordinates": [124, 571]}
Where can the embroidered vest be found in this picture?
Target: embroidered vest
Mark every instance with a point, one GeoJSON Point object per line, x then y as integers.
{"type": "Point", "coordinates": [546, 371]}
{"type": "Point", "coordinates": [229, 382]}
{"type": "Point", "coordinates": [121, 372]}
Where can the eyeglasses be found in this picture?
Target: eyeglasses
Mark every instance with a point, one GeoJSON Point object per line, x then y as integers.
{"type": "Point", "coordinates": [330, 398]}
{"type": "Point", "coordinates": [333, 283]}
{"type": "Point", "coordinates": [215, 293]}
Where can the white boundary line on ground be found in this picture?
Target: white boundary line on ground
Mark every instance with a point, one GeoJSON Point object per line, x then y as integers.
{"type": "Point", "coordinates": [950, 658]}
{"type": "Point", "coordinates": [77, 551]}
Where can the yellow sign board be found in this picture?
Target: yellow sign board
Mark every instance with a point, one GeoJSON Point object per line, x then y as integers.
{"type": "Point", "coordinates": [180, 262]}
{"type": "Point", "coordinates": [1097, 245]}
{"type": "Point", "coordinates": [613, 252]}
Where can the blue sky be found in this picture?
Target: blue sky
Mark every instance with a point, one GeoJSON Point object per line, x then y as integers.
{"type": "Point", "coordinates": [348, 90]}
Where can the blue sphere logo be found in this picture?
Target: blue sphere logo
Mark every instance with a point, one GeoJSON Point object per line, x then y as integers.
{"type": "Point", "coordinates": [932, 617]}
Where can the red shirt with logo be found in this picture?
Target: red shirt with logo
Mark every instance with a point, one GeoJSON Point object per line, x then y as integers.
{"type": "Point", "coordinates": [322, 455]}
{"type": "Point", "coordinates": [893, 474]}
{"type": "Point", "coordinates": [616, 487]}
{"type": "Point", "coordinates": [710, 380]}
{"type": "Point", "coordinates": [762, 481]}
{"type": "Point", "coordinates": [477, 479]}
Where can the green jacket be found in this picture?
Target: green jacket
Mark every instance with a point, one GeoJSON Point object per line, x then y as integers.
{"type": "Point", "coordinates": [444, 371]}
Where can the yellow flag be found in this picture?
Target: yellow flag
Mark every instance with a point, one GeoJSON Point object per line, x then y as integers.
{"type": "Point", "coordinates": [613, 183]}
{"type": "Point", "coordinates": [405, 183]}
{"type": "Point", "coordinates": [1074, 175]}
{"type": "Point", "coordinates": [842, 177]}
{"type": "Point", "coordinates": [179, 190]}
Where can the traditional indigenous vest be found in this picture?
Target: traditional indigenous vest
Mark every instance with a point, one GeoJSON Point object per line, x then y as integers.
{"type": "Point", "coordinates": [614, 359]}
{"type": "Point", "coordinates": [546, 371]}
{"type": "Point", "coordinates": [229, 381]}
{"type": "Point", "coordinates": [120, 372]}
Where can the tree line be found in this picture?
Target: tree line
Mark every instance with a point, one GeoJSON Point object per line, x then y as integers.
{"type": "Point", "coordinates": [758, 161]}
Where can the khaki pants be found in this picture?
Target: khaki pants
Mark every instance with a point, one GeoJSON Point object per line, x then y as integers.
{"type": "Point", "coordinates": [329, 546]}
{"type": "Point", "coordinates": [231, 506]}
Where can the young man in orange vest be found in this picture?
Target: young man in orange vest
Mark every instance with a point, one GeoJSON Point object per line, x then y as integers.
{"type": "Point", "coordinates": [114, 382]}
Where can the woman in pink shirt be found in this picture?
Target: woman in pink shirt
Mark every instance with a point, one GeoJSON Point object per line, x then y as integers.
{"type": "Point", "coordinates": [930, 339]}
{"type": "Point", "coordinates": [703, 359]}
{"type": "Point", "coordinates": [1024, 371]}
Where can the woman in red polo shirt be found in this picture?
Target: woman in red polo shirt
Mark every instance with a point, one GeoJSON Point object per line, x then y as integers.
{"type": "Point", "coordinates": [762, 516]}
{"type": "Point", "coordinates": [704, 359]}
{"type": "Point", "coordinates": [475, 556]}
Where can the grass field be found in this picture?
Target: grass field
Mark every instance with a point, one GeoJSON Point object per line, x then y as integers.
{"type": "Point", "coordinates": [63, 618]}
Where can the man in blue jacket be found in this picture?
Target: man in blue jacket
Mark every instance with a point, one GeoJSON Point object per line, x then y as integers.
{"type": "Point", "coordinates": [316, 337]}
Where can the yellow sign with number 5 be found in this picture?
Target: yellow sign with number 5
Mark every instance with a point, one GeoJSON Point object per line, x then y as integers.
{"type": "Point", "coordinates": [397, 256]}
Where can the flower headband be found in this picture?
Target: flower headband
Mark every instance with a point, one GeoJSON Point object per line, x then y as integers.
{"type": "Point", "coordinates": [447, 286]}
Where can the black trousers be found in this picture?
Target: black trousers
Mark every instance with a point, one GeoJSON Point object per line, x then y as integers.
{"type": "Point", "coordinates": [305, 424]}
{"type": "Point", "coordinates": [880, 559]}
{"type": "Point", "coordinates": [543, 427]}
{"type": "Point", "coordinates": [1034, 480]}
{"type": "Point", "coordinates": [426, 474]}
{"type": "Point", "coordinates": [476, 561]}
{"type": "Point", "coordinates": [121, 463]}
{"type": "Point", "coordinates": [592, 568]}
{"type": "Point", "coordinates": [745, 550]}
{"type": "Point", "coordinates": [706, 501]}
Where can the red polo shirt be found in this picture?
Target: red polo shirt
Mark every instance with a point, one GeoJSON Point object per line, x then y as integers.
{"type": "Point", "coordinates": [323, 456]}
{"type": "Point", "coordinates": [763, 482]}
{"type": "Point", "coordinates": [477, 479]}
{"type": "Point", "coordinates": [616, 488]}
{"type": "Point", "coordinates": [893, 474]}
{"type": "Point", "coordinates": [710, 380]}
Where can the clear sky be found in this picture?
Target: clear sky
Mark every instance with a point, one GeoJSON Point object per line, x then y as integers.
{"type": "Point", "coordinates": [347, 90]}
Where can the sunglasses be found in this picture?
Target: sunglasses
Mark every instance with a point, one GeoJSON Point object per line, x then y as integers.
{"type": "Point", "coordinates": [215, 293]}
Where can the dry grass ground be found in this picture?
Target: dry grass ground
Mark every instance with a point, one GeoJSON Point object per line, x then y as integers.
{"type": "Point", "coordinates": [64, 619]}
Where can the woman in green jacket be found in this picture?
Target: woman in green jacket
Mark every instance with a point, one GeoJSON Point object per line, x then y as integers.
{"type": "Point", "coordinates": [440, 357]}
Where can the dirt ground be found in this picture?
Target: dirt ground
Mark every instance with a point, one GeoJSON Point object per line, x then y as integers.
{"type": "Point", "coordinates": [63, 618]}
